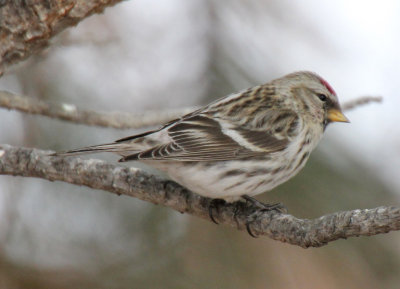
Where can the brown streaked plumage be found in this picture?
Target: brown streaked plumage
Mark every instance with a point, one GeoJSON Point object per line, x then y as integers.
{"type": "Point", "coordinates": [243, 144]}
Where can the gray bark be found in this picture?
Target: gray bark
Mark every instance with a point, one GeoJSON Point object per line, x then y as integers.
{"type": "Point", "coordinates": [134, 182]}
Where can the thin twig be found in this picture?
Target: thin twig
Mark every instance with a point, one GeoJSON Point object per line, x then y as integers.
{"type": "Point", "coordinates": [134, 182]}
{"type": "Point", "coordinates": [69, 112]}
{"type": "Point", "coordinates": [349, 105]}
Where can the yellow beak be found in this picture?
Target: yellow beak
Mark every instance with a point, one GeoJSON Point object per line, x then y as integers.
{"type": "Point", "coordinates": [335, 115]}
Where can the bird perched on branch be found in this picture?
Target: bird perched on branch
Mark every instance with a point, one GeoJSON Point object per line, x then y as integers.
{"type": "Point", "coordinates": [243, 144]}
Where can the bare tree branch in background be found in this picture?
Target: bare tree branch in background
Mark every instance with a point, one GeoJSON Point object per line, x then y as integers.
{"type": "Point", "coordinates": [134, 182]}
{"type": "Point", "coordinates": [27, 26]}
{"type": "Point", "coordinates": [120, 120]}
{"type": "Point", "coordinates": [349, 105]}
{"type": "Point", "coordinates": [69, 112]}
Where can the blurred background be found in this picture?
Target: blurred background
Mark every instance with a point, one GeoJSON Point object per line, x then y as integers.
{"type": "Point", "coordinates": [142, 55]}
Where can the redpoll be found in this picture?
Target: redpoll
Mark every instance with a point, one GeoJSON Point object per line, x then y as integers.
{"type": "Point", "coordinates": [243, 144]}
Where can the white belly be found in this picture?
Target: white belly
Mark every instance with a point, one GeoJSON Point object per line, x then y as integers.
{"type": "Point", "coordinates": [228, 180]}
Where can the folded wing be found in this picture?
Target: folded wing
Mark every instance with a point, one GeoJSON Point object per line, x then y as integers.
{"type": "Point", "coordinates": [201, 138]}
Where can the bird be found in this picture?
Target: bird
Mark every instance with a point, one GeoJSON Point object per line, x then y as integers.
{"type": "Point", "coordinates": [241, 145]}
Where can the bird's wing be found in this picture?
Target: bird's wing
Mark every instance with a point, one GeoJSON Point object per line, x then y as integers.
{"type": "Point", "coordinates": [199, 137]}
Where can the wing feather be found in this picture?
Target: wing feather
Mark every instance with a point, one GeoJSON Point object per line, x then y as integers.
{"type": "Point", "coordinates": [201, 138]}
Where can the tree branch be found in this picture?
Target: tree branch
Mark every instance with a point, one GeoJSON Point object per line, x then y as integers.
{"type": "Point", "coordinates": [27, 26]}
{"type": "Point", "coordinates": [120, 120]}
{"type": "Point", "coordinates": [352, 104]}
{"type": "Point", "coordinates": [134, 182]}
{"type": "Point", "coordinates": [69, 112]}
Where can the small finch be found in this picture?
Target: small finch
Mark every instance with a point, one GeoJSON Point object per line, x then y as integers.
{"type": "Point", "coordinates": [241, 145]}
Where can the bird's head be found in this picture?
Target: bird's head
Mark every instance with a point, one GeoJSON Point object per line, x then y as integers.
{"type": "Point", "coordinates": [313, 97]}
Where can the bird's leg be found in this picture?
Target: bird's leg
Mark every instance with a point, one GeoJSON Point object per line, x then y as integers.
{"type": "Point", "coordinates": [263, 207]}
{"type": "Point", "coordinates": [214, 204]}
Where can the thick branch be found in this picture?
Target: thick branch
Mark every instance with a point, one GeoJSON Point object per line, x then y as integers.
{"type": "Point", "coordinates": [71, 113]}
{"type": "Point", "coordinates": [27, 26]}
{"type": "Point", "coordinates": [140, 184]}
{"type": "Point", "coordinates": [120, 120]}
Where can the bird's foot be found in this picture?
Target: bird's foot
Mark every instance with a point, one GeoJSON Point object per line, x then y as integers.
{"type": "Point", "coordinates": [215, 204]}
{"type": "Point", "coordinates": [279, 207]}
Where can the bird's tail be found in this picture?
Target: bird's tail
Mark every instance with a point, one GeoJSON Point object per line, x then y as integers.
{"type": "Point", "coordinates": [119, 148]}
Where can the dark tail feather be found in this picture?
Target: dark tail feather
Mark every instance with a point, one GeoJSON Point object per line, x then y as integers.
{"type": "Point", "coordinates": [111, 147]}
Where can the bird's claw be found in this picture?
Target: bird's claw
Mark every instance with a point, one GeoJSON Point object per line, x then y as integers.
{"type": "Point", "coordinates": [279, 207]}
{"type": "Point", "coordinates": [214, 204]}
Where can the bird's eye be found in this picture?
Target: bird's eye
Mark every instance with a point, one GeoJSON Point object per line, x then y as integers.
{"type": "Point", "coordinates": [322, 97]}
